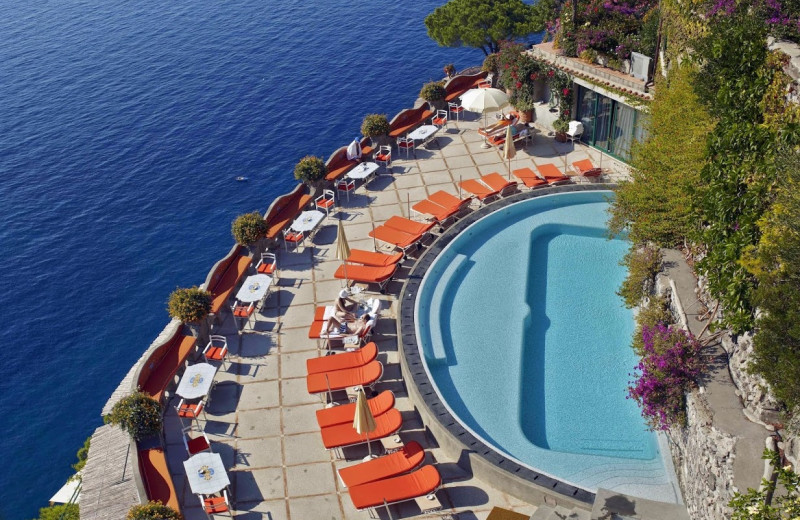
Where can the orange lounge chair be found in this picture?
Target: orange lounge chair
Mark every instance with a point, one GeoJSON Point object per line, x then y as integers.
{"type": "Point", "coordinates": [496, 182]}
{"type": "Point", "coordinates": [409, 226]}
{"type": "Point", "coordinates": [529, 178]}
{"type": "Point", "coordinates": [479, 189]}
{"type": "Point", "coordinates": [341, 435]}
{"type": "Point", "coordinates": [344, 413]}
{"type": "Point", "coordinates": [318, 324]}
{"type": "Point", "coordinates": [585, 168]}
{"type": "Point", "coordinates": [435, 211]}
{"type": "Point", "coordinates": [496, 128]}
{"type": "Point", "coordinates": [552, 174]}
{"type": "Point", "coordinates": [388, 466]}
{"type": "Point", "coordinates": [388, 491]}
{"type": "Point", "coordinates": [358, 358]}
{"type": "Point", "coordinates": [397, 238]}
{"type": "Point", "coordinates": [367, 274]}
{"type": "Point", "coordinates": [449, 200]}
{"type": "Point", "coordinates": [367, 375]}
{"type": "Point", "coordinates": [360, 256]}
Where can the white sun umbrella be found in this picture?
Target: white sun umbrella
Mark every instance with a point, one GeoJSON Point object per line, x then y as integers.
{"type": "Point", "coordinates": [509, 151]}
{"type": "Point", "coordinates": [484, 100]}
{"type": "Point", "coordinates": [354, 150]}
{"type": "Point", "coordinates": [342, 248]}
{"type": "Point", "coordinates": [363, 422]}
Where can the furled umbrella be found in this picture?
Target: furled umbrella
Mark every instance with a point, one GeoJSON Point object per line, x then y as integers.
{"type": "Point", "coordinates": [484, 100]}
{"type": "Point", "coordinates": [354, 150]}
{"type": "Point", "coordinates": [509, 151]}
{"type": "Point", "coordinates": [342, 248]}
{"type": "Point", "coordinates": [363, 422]}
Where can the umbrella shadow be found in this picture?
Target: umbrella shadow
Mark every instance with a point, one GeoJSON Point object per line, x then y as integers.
{"type": "Point", "coordinates": [381, 182]}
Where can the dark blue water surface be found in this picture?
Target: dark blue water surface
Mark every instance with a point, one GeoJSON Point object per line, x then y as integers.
{"type": "Point", "coordinates": [122, 128]}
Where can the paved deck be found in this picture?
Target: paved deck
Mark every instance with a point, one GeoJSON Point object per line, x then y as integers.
{"type": "Point", "coordinates": [262, 420]}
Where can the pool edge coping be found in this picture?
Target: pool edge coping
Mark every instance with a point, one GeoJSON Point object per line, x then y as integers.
{"type": "Point", "coordinates": [472, 453]}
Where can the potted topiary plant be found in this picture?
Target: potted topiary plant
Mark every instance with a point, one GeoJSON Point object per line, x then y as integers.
{"type": "Point", "coordinates": [310, 170]}
{"type": "Point", "coordinates": [560, 126]}
{"type": "Point", "coordinates": [376, 127]}
{"type": "Point", "coordinates": [138, 414]}
{"type": "Point", "coordinates": [153, 511]}
{"type": "Point", "coordinates": [249, 228]}
{"type": "Point", "coordinates": [434, 93]}
{"type": "Point", "coordinates": [190, 305]}
{"type": "Point", "coordinates": [449, 70]}
{"type": "Point", "coordinates": [491, 64]}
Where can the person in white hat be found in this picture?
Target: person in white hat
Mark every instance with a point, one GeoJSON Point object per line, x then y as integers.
{"type": "Point", "coordinates": [345, 306]}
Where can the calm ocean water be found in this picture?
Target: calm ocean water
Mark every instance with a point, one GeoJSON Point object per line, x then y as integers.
{"type": "Point", "coordinates": [122, 127]}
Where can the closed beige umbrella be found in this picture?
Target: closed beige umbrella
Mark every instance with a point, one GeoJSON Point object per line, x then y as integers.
{"type": "Point", "coordinates": [342, 249]}
{"type": "Point", "coordinates": [363, 422]}
{"type": "Point", "coordinates": [509, 151]}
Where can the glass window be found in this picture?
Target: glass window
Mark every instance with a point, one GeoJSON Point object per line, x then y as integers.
{"type": "Point", "coordinates": [622, 132]}
{"type": "Point", "coordinates": [586, 102]}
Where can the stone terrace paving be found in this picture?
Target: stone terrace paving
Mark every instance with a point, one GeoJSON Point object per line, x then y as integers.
{"type": "Point", "coordinates": [260, 416]}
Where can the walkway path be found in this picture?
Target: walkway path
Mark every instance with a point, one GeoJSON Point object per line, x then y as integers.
{"type": "Point", "coordinates": [262, 420]}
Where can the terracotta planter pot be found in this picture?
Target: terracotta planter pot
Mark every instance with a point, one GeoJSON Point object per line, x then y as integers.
{"type": "Point", "coordinates": [561, 137]}
{"type": "Point", "coordinates": [525, 116]}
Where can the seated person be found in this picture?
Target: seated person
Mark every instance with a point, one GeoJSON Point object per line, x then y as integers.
{"type": "Point", "coordinates": [345, 328]}
{"type": "Point", "coordinates": [345, 307]}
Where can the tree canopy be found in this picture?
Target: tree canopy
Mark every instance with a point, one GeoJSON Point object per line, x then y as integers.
{"type": "Point", "coordinates": [482, 23]}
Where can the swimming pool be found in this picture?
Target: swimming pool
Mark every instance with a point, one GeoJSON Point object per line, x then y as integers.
{"type": "Point", "coordinates": [528, 345]}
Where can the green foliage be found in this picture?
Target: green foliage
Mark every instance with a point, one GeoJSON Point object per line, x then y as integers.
{"type": "Point", "coordinates": [519, 72]}
{"type": "Point", "coordinates": [482, 23]}
{"type": "Point", "coordinates": [776, 264]}
{"type": "Point", "coordinates": [310, 169]}
{"type": "Point", "coordinates": [785, 494]}
{"type": "Point", "coordinates": [83, 454]}
{"type": "Point", "coordinates": [375, 125]}
{"type": "Point", "coordinates": [656, 205]}
{"type": "Point", "coordinates": [138, 414]}
{"type": "Point", "coordinates": [491, 64]}
{"type": "Point", "coordinates": [589, 55]}
{"type": "Point", "coordinates": [249, 228]}
{"type": "Point", "coordinates": [560, 125]}
{"type": "Point", "coordinates": [153, 511]}
{"type": "Point", "coordinates": [433, 91]}
{"type": "Point", "coordinates": [654, 312]}
{"type": "Point", "coordinates": [189, 305]}
{"type": "Point", "coordinates": [59, 512]}
{"type": "Point", "coordinates": [642, 263]}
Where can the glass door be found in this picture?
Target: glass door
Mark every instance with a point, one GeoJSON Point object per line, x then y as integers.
{"type": "Point", "coordinates": [602, 122]}
{"type": "Point", "coordinates": [622, 131]}
{"type": "Point", "coordinates": [586, 106]}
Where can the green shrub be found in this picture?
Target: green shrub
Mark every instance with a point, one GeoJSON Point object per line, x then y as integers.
{"type": "Point", "coordinates": [375, 125]}
{"type": "Point", "coordinates": [138, 414]}
{"type": "Point", "coordinates": [249, 228]}
{"type": "Point", "coordinates": [310, 169]}
{"type": "Point", "coordinates": [589, 55]}
{"type": "Point", "coordinates": [189, 305]}
{"type": "Point", "coordinates": [655, 311]}
{"type": "Point", "coordinates": [491, 63]}
{"type": "Point", "coordinates": [83, 454]}
{"type": "Point", "coordinates": [153, 511]}
{"type": "Point", "coordinates": [433, 91]}
{"type": "Point", "coordinates": [560, 125]}
{"type": "Point", "coordinates": [59, 512]}
{"type": "Point", "coordinates": [643, 263]}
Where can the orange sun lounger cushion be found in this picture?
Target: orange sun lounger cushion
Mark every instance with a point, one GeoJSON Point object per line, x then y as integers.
{"type": "Point", "coordinates": [529, 178]}
{"type": "Point", "coordinates": [551, 174]}
{"type": "Point", "coordinates": [388, 466]}
{"type": "Point", "coordinates": [340, 435]}
{"type": "Point", "coordinates": [366, 375]}
{"type": "Point", "coordinates": [408, 226]}
{"type": "Point", "coordinates": [439, 213]}
{"type": "Point", "coordinates": [496, 182]}
{"type": "Point", "coordinates": [586, 168]}
{"type": "Point", "coordinates": [358, 358]}
{"type": "Point", "coordinates": [478, 189]}
{"type": "Point", "coordinates": [395, 237]}
{"type": "Point", "coordinates": [345, 413]}
{"type": "Point", "coordinates": [422, 482]}
{"type": "Point", "coordinates": [448, 200]}
{"type": "Point", "coordinates": [365, 273]}
{"type": "Point", "coordinates": [360, 256]}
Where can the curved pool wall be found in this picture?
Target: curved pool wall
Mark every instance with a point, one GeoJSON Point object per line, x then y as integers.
{"type": "Point", "coordinates": [575, 441]}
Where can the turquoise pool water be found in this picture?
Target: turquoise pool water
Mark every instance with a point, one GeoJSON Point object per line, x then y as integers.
{"type": "Point", "coordinates": [528, 344]}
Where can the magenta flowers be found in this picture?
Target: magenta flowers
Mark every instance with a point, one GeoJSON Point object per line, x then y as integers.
{"type": "Point", "coordinates": [670, 366]}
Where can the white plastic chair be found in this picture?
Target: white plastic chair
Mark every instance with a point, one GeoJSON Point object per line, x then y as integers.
{"type": "Point", "coordinates": [268, 265]}
{"type": "Point", "coordinates": [575, 131]}
{"type": "Point", "coordinates": [384, 156]}
{"type": "Point", "coordinates": [405, 143]}
{"type": "Point", "coordinates": [441, 119]}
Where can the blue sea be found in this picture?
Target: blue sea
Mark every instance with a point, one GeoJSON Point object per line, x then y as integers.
{"type": "Point", "coordinates": [122, 128]}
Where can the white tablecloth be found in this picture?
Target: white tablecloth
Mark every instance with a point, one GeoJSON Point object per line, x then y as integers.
{"type": "Point", "coordinates": [254, 288]}
{"type": "Point", "coordinates": [307, 221]}
{"type": "Point", "coordinates": [424, 132]}
{"type": "Point", "coordinates": [206, 473]}
{"type": "Point", "coordinates": [362, 171]}
{"type": "Point", "coordinates": [196, 381]}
